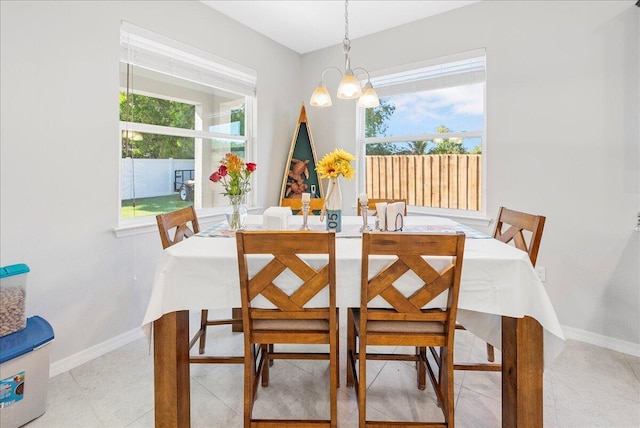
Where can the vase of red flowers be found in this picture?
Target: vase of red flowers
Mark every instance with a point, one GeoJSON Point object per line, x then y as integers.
{"type": "Point", "coordinates": [235, 177]}
{"type": "Point", "coordinates": [236, 213]}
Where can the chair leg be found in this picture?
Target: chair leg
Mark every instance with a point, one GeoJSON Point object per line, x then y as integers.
{"type": "Point", "coordinates": [490, 353]}
{"type": "Point", "coordinates": [265, 349]}
{"type": "Point", "coordinates": [446, 385]}
{"type": "Point", "coordinates": [203, 328]}
{"type": "Point", "coordinates": [270, 359]}
{"type": "Point", "coordinates": [351, 346]}
{"type": "Point", "coordinates": [338, 355]}
{"type": "Point", "coordinates": [362, 383]}
{"type": "Point", "coordinates": [421, 353]}
{"type": "Point", "coordinates": [249, 376]}
{"type": "Point", "coordinates": [334, 380]}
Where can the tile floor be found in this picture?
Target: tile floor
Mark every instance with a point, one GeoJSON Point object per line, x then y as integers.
{"type": "Point", "coordinates": [586, 386]}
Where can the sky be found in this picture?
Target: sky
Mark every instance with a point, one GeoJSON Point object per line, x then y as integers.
{"type": "Point", "coordinates": [459, 108]}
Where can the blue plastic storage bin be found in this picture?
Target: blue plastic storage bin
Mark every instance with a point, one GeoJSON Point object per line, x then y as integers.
{"type": "Point", "coordinates": [24, 373]}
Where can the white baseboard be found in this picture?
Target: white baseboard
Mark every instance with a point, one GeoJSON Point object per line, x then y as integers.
{"type": "Point", "coordinates": [96, 351]}
{"type": "Point", "coordinates": [100, 349]}
{"type": "Point", "coordinates": [603, 341]}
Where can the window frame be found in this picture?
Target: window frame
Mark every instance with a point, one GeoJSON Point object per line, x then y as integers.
{"type": "Point", "coordinates": [145, 49]}
{"type": "Point", "coordinates": [409, 79]}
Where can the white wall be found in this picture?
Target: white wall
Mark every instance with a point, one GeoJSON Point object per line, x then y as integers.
{"type": "Point", "coordinates": [562, 130]}
{"type": "Point", "coordinates": [59, 85]}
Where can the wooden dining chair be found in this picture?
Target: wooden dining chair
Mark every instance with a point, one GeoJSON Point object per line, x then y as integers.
{"type": "Point", "coordinates": [515, 225]}
{"type": "Point", "coordinates": [524, 231]}
{"type": "Point", "coordinates": [436, 259]}
{"type": "Point", "coordinates": [371, 205]}
{"type": "Point", "coordinates": [290, 319]}
{"type": "Point", "coordinates": [315, 205]}
{"type": "Point", "coordinates": [174, 227]}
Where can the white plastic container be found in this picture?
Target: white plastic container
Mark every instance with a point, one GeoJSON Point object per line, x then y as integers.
{"type": "Point", "coordinates": [13, 293]}
{"type": "Point", "coordinates": [24, 373]}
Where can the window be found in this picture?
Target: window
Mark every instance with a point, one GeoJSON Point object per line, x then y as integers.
{"type": "Point", "coordinates": [424, 143]}
{"type": "Point", "coordinates": [181, 111]}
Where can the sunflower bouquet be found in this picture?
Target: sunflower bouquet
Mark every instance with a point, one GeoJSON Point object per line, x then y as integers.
{"type": "Point", "coordinates": [333, 165]}
{"type": "Point", "coordinates": [336, 163]}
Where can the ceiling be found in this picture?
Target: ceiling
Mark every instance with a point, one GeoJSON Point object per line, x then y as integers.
{"type": "Point", "coordinates": [305, 26]}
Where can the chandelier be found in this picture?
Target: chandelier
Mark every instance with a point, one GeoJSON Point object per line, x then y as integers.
{"type": "Point", "coordinates": [349, 87]}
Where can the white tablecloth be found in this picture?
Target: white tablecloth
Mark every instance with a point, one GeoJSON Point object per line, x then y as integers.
{"type": "Point", "coordinates": [497, 279]}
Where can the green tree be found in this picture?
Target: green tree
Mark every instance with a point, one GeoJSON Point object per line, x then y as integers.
{"type": "Point", "coordinates": [143, 109]}
{"type": "Point", "coordinates": [376, 119]}
{"type": "Point", "coordinates": [237, 115]}
{"type": "Point", "coordinates": [418, 147]}
{"type": "Point", "coordinates": [381, 149]}
{"type": "Point", "coordinates": [376, 126]}
{"type": "Point", "coordinates": [413, 148]}
{"type": "Point", "coordinates": [446, 146]}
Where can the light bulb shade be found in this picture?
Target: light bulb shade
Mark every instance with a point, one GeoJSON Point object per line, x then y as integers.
{"type": "Point", "coordinates": [320, 97]}
{"type": "Point", "coordinates": [349, 88]}
{"type": "Point", "coordinates": [369, 98]}
{"type": "Point", "coordinates": [132, 135]}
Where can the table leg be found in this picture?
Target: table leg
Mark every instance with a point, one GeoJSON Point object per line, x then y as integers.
{"type": "Point", "coordinates": [522, 368]}
{"type": "Point", "coordinates": [171, 367]}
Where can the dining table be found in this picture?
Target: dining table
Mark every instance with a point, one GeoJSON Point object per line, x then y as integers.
{"type": "Point", "coordinates": [501, 300]}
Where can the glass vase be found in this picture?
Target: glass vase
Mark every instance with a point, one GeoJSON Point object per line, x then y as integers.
{"type": "Point", "coordinates": [333, 204]}
{"type": "Point", "coordinates": [237, 212]}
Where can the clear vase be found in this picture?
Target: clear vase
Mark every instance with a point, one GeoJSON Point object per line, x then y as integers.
{"type": "Point", "coordinates": [333, 204]}
{"type": "Point", "coordinates": [237, 212]}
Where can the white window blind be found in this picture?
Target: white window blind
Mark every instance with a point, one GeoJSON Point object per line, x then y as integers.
{"type": "Point", "coordinates": [146, 49]}
{"type": "Point", "coordinates": [454, 70]}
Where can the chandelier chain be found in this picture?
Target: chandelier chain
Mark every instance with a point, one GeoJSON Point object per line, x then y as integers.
{"type": "Point", "coordinates": [346, 20]}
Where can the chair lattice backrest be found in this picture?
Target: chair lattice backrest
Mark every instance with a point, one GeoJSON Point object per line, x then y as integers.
{"type": "Point", "coordinates": [286, 250]}
{"type": "Point", "coordinates": [412, 252]}
{"type": "Point", "coordinates": [178, 220]}
{"type": "Point", "coordinates": [510, 226]}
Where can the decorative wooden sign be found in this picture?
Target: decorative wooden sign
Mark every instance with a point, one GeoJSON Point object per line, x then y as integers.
{"type": "Point", "coordinates": [300, 174]}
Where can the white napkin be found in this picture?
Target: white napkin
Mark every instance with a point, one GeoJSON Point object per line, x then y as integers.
{"type": "Point", "coordinates": [395, 216]}
{"type": "Point", "coordinates": [276, 218]}
{"type": "Point", "coordinates": [381, 209]}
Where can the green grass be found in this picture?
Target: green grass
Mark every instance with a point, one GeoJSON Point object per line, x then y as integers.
{"type": "Point", "coordinates": [152, 206]}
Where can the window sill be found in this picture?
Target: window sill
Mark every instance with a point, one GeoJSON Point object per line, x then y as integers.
{"type": "Point", "coordinates": [147, 224]}
{"type": "Point", "coordinates": [472, 218]}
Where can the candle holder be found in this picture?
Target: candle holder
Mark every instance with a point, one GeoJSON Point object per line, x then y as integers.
{"type": "Point", "coordinates": [364, 208]}
{"type": "Point", "coordinates": [305, 215]}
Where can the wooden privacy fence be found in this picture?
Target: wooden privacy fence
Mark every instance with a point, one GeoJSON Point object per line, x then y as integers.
{"type": "Point", "coordinates": [441, 181]}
